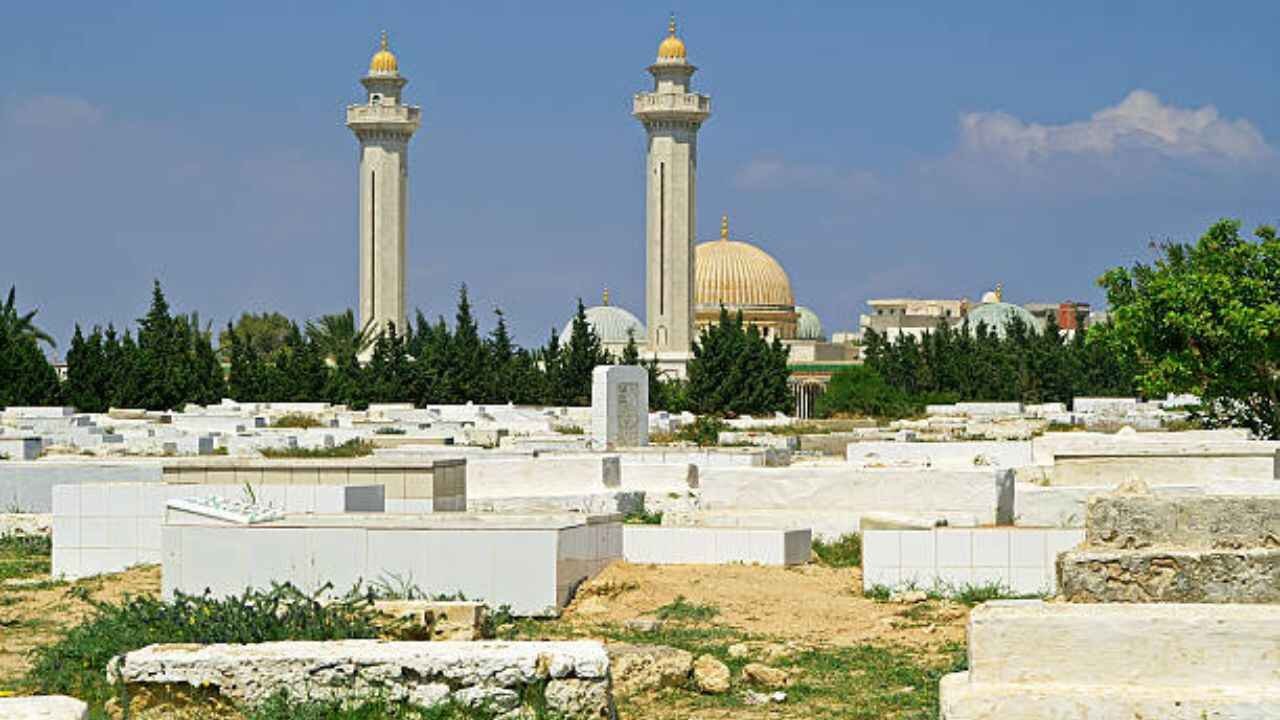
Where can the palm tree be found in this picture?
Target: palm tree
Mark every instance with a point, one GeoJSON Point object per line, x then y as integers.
{"type": "Point", "coordinates": [15, 325]}
{"type": "Point", "coordinates": [337, 337]}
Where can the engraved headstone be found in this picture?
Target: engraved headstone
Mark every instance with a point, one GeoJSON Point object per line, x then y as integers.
{"type": "Point", "coordinates": [619, 406]}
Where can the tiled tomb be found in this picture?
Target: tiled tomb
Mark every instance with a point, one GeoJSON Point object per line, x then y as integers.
{"type": "Point", "coordinates": [1020, 560]}
{"type": "Point", "coordinates": [108, 527]}
{"type": "Point", "coordinates": [532, 563]}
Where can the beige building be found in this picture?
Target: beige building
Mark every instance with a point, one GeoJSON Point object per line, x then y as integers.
{"type": "Point", "coordinates": [892, 317]}
{"type": "Point", "coordinates": [383, 125]}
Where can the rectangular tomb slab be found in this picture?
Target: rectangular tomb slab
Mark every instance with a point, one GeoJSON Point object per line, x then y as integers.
{"type": "Point", "coordinates": [1131, 521]}
{"type": "Point", "coordinates": [660, 545]}
{"type": "Point", "coordinates": [51, 707]}
{"type": "Point", "coordinates": [949, 560]}
{"type": "Point", "coordinates": [532, 563]}
{"type": "Point", "coordinates": [1165, 644]}
{"type": "Point", "coordinates": [108, 527]}
{"type": "Point", "coordinates": [572, 678]}
{"type": "Point", "coordinates": [1163, 575]}
{"type": "Point", "coordinates": [1031, 660]}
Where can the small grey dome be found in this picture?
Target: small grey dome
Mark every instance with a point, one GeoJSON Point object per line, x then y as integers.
{"type": "Point", "coordinates": [611, 324]}
{"type": "Point", "coordinates": [996, 315]}
{"type": "Point", "coordinates": [808, 325]}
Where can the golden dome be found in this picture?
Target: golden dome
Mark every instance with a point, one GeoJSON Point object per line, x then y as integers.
{"type": "Point", "coordinates": [384, 61]}
{"type": "Point", "coordinates": [672, 48]}
{"type": "Point", "coordinates": [738, 274]}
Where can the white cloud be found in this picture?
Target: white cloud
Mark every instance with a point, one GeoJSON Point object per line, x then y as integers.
{"type": "Point", "coordinates": [1139, 122]}
{"type": "Point", "coordinates": [765, 173]}
{"type": "Point", "coordinates": [55, 112]}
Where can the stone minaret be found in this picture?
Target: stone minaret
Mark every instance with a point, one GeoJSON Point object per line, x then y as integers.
{"type": "Point", "coordinates": [671, 115]}
{"type": "Point", "coordinates": [383, 125]}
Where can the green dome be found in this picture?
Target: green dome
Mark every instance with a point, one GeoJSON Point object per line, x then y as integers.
{"type": "Point", "coordinates": [611, 324]}
{"type": "Point", "coordinates": [997, 315]}
{"type": "Point", "coordinates": [808, 326]}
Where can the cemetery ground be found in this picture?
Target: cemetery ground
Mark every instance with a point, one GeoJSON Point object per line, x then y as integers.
{"type": "Point", "coordinates": [843, 655]}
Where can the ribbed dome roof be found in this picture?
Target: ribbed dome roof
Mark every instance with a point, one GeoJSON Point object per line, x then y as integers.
{"type": "Point", "coordinates": [996, 315]}
{"type": "Point", "coordinates": [808, 326]}
{"type": "Point", "coordinates": [610, 323]}
{"type": "Point", "coordinates": [738, 274]}
{"type": "Point", "coordinates": [384, 61]}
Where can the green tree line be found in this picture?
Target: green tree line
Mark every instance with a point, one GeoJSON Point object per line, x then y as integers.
{"type": "Point", "coordinates": [171, 360]}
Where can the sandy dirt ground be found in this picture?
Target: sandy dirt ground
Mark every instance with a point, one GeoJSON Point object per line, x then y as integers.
{"type": "Point", "coordinates": [37, 614]}
{"type": "Point", "coordinates": [808, 604]}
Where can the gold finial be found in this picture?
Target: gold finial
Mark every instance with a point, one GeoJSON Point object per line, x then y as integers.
{"type": "Point", "coordinates": [672, 48]}
{"type": "Point", "coordinates": [384, 61]}
{"type": "Point", "coordinates": [999, 292]}
{"type": "Point", "coordinates": [606, 296]}
{"type": "Point", "coordinates": [724, 227]}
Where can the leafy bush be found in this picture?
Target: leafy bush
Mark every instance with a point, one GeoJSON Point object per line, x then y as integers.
{"type": "Point", "coordinates": [703, 431]}
{"type": "Point", "coordinates": [298, 420]}
{"type": "Point", "coordinates": [642, 517]}
{"type": "Point", "coordinates": [859, 390]}
{"type": "Point", "coordinates": [845, 551]}
{"type": "Point", "coordinates": [350, 449]}
{"type": "Point", "coordinates": [75, 664]}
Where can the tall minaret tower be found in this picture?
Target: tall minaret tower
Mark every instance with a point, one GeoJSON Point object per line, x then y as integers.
{"type": "Point", "coordinates": [671, 115]}
{"type": "Point", "coordinates": [383, 125]}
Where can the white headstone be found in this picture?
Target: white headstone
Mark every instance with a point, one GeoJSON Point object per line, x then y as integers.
{"type": "Point", "coordinates": [619, 406]}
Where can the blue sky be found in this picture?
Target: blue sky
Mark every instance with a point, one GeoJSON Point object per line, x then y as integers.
{"type": "Point", "coordinates": [874, 149]}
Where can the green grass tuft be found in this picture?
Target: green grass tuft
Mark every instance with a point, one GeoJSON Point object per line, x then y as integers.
{"type": "Point", "coordinates": [681, 610]}
{"type": "Point", "coordinates": [25, 555]}
{"type": "Point", "coordinates": [75, 664]}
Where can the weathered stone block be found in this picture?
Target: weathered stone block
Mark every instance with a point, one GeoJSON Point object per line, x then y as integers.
{"type": "Point", "coordinates": [493, 676]}
{"type": "Point", "coordinates": [1170, 576]}
{"type": "Point", "coordinates": [437, 620]}
{"type": "Point", "coordinates": [53, 707]}
{"type": "Point", "coordinates": [1186, 521]}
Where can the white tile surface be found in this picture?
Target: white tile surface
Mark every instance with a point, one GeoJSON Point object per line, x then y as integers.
{"type": "Point", "coordinates": [1020, 560]}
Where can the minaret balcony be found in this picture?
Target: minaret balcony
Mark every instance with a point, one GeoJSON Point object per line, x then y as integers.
{"type": "Point", "coordinates": [372, 116]}
{"type": "Point", "coordinates": [671, 106]}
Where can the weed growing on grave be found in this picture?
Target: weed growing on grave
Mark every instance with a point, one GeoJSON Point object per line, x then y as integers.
{"type": "Point", "coordinates": [977, 594]}
{"type": "Point", "coordinates": [349, 449]}
{"type": "Point", "coordinates": [703, 431]}
{"type": "Point", "coordinates": [74, 665]}
{"type": "Point", "coordinates": [301, 421]}
{"type": "Point", "coordinates": [280, 707]}
{"type": "Point", "coordinates": [681, 610]}
{"type": "Point", "coordinates": [878, 592]}
{"type": "Point", "coordinates": [570, 430]}
{"type": "Point", "coordinates": [24, 555]}
{"type": "Point", "coordinates": [389, 430]}
{"type": "Point", "coordinates": [844, 551]}
{"type": "Point", "coordinates": [642, 517]}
